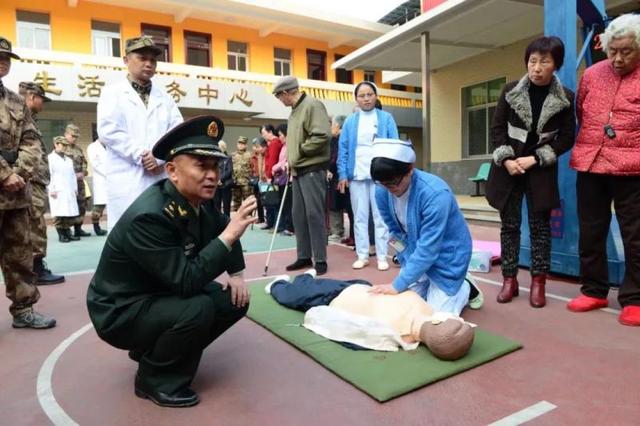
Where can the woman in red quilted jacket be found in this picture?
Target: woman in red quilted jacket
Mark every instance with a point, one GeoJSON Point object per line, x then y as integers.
{"type": "Point", "coordinates": [607, 158]}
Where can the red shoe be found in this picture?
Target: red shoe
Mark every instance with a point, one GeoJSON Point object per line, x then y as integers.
{"type": "Point", "coordinates": [584, 303]}
{"type": "Point", "coordinates": [349, 242]}
{"type": "Point", "coordinates": [630, 315]}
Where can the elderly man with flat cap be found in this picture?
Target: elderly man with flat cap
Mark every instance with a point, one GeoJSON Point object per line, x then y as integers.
{"type": "Point", "coordinates": [35, 98]}
{"type": "Point", "coordinates": [154, 292]}
{"type": "Point", "coordinates": [308, 152]}
{"type": "Point", "coordinates": [133, 114]}
{"type": "Point", "coordinates": [19, 156]}
{"type": "Point", "coordinates": [427, 230]}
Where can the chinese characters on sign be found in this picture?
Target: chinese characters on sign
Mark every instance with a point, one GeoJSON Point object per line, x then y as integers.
{"type": "Point", "coordinates": [208, 93]}
{"type": "Point", "coordinates": [90, 86]}
{"type": "Point", "coordinates": [242, 96]}
{"type": "Point", "coordinates": [47, 83]}
{"type": "Point", "coordinates": [175, 92]}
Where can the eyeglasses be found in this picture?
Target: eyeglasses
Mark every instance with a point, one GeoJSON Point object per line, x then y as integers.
{"type": "Point", "coordinates": [392, 182]}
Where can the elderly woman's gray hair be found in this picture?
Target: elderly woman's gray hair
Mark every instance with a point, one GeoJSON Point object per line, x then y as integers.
{"type": "Point", "coordinates": [627, 25]}
{"type": "Point", "coordinates": [339, 120]}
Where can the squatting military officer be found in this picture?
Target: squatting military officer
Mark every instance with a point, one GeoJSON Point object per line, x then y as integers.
{"type": "Point", "coordinates": [19, 155]}
{"type": "Point", "coordinates": [35, 98]}
{"type": "Point", "coordinates": [153, 291]}
{"type": "Point", "coordinates": [80, 165]}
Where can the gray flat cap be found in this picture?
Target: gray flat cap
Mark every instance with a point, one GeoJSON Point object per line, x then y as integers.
{"type": "Point", "coordinates": [285, 83]}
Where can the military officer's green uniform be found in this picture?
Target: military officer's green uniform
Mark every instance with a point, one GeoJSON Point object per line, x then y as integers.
{"type": "Point", "coordinates": [19, 155]}
{"type": "Point", "coordinates": [80, 165]}
{"type": "Point", "coordinates": [153, 291]}
{"type": "Point", "coordinates": [241, 161]}
{"type": "Point", "coordinates": [39, 182]}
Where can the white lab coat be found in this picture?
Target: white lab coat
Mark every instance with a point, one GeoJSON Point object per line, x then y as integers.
{"type": "Point", "coordinates": [97, 154]}
{"type": "Point", "coordinates": [128, 128]}
{"type": "Point", "coordinates": [64, 184]}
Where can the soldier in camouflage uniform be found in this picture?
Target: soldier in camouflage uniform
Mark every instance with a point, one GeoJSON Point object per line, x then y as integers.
{"type": "Point", "coordinates": [73, 151]}
{"type": "Point", "coordinates": [241, 160]}
{"type": "Point", "coordinates": [35, 98]}
{"type": "Point", "coordinates": [19, 154]}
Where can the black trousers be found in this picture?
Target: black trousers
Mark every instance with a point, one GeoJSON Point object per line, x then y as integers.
{"type": "Point", "coordinates": [222, 200]}
{"type": "Point", "coordinates": [539, 233]}
{"type": "Point", "coordinates": [172, 332]}
{"type": "Point", "coordinates": [595, 193]}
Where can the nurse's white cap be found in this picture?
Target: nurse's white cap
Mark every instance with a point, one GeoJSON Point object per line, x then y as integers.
{"type": "Point", "coordinates": [394, 149]}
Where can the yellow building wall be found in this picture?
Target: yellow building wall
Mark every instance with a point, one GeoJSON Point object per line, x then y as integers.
{"type": "Point", "coordinates": [71, 32]}
{"type": "Point", "coordinates": [446, 94]}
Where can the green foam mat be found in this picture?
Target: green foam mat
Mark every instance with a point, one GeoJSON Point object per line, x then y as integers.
{"type": "Point", "coordinates": [381, 375]}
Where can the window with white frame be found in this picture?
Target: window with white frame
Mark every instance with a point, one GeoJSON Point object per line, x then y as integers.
{"type": "Point", "coordinates": [370, 76]}
{"type": "Point", "coordinates": [281, 61]}
{"type": "Point", "coordinates": [34, 31]}
{"type": "Point", "coordinates": [479, 103]}
{"type": "Point", "coordinates": [105, 38]}
{"type": "Point", "coordinates": [237, 57]}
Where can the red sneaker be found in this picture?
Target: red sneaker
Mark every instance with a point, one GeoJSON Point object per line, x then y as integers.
{"type": "Point", "coordinates": [584, 303]}
{"type": "Point", "coordinates": [630, 315]}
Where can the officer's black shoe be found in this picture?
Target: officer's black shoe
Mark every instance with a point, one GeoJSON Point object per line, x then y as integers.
{"type": "Point", "coordinates": [99, 231]}
{"type": "Point", "coordinates": [79, 232]}
{"type": "Point", "coordinates": [181, 398]}
{"type": "Point", "coordinates": [70, 236]}
{"type": "Point", "coordinates": [135, 355]}
{"type": "Point", "coordinates": [299, 264]}
{"type": "Point", "coordinates": [321, 268]}
{"type": "Point", "coordinates": [44, 275]}
{"type": "Point", "coordinates": [62, 235]}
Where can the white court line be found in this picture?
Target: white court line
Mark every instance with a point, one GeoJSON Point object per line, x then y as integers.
{"type": "Point", "coordinates": [523, 416]}
{"type": "Point", "coordinates": [44, 387]}
{"type": "Point", "coordinates": [549, 295]}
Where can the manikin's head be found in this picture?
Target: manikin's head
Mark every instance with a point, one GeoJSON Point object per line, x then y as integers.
{"type": "Point", "coordinates": [447, 340]}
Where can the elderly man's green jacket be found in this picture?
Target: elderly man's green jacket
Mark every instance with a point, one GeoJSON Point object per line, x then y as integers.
{"type": "Point", "coordinates": [160, 247]}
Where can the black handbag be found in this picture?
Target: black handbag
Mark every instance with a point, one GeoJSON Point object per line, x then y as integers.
{"type": "Point", "coordinates": [270, 196]}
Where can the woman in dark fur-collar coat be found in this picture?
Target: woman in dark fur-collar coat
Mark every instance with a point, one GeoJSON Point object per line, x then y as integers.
{"type": "Point", "coordinates": [532, 126]}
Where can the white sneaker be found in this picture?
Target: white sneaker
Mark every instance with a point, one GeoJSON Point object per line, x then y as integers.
{"type": "Point", "coordinates": [267, 288]}
{"type": "Point", "coordinates": [360, 263]}
{"type": "Point", "coordinates": [311, 272]}
{"type": "Point", "coordinates": [383, 265]}
{"type": "Point", "coordinates": [335, 238]}
{"type": "Point", "coordinates": [478, 301]}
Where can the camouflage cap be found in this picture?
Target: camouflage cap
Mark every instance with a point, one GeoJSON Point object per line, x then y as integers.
{"type": "Point", "coordinates": [73, 129]}
{"type": "Point", "coordinates": [60, 139]}
{"type": "Point", "coordinates": [35, 88]}
{"type": "Point", "coordinates": [5, 47]}
{"type": "Point", "coordinates": [242, 139]}
{"type": "Point", "coordinates": [140, 43]}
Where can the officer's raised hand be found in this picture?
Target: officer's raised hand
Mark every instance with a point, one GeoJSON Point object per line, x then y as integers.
{"type": "Point", "coordinates": [240, 221]}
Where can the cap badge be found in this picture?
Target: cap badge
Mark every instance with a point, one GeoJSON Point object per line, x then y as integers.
{"type": "Point", "coordinates": [212, 130]}
{"type": "Point", "coordinates": [4, 44]}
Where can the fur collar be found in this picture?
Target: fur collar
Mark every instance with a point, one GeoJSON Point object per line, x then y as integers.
{"type": "Point", "coordinates": [518, 99]}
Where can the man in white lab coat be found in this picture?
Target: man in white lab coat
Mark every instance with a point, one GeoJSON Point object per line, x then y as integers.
{"type": "Point", "coordinates": [97, 155]}
{"type": "Point", "coordinates": [132, 115]}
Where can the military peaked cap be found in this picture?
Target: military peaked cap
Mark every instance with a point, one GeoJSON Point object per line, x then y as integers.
{"type": "Point", "coordinates": [196, 136]}
{"type": "Point", "coordinates": [5, 47]}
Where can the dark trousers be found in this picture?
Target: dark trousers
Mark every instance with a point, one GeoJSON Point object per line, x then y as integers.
{"type": "Point", "coordinates": [285, 217]}
{"type": "Point", "coordinates": [308, 212]}
{"type": "Point", "coordinates": [222, 200]}
{"type": "Point", "coordinates": [259, 208]}
{"type": "Point", "coordinates": [595, 193]}
{"type": "Point", "coordinates": [539, 233]}
{"type": "Point", "coordinates": [172, 332]}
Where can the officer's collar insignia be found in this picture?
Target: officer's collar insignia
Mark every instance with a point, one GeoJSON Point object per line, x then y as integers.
{"type": "Point", "coordinates": [212, 130]}
{"type": "Point", "coordinates": [4, 44]}
{"type": "Point", "coordinates": [170, 209]}
{"type": "Point", "coordinates": [182, 212]}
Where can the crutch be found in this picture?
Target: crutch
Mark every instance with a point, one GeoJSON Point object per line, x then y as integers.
{"type": "Point", "coordinates": [275, 227]}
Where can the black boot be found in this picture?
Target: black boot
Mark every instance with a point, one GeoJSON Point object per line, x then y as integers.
{"type": "Point", "coordinates": [44, 275]}
{"type": "Point", "coordinates": [79, 232]}
{"type": "Point", "coordinates": [62, 235]}
{"type": "Point", "coordinates": [99, 231]}
{"type": "Point", "coordinates": [70, 236]}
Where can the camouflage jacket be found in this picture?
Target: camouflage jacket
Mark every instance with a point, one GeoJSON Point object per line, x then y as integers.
{"type": "Point", "coordinates": [241, 167]}
{"type": "Point", "coordinates": [79, 160]}
{"type": "Point", "coordinates": [20, 149]}
{"type": "Point", "coordinates": [41, 173]}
